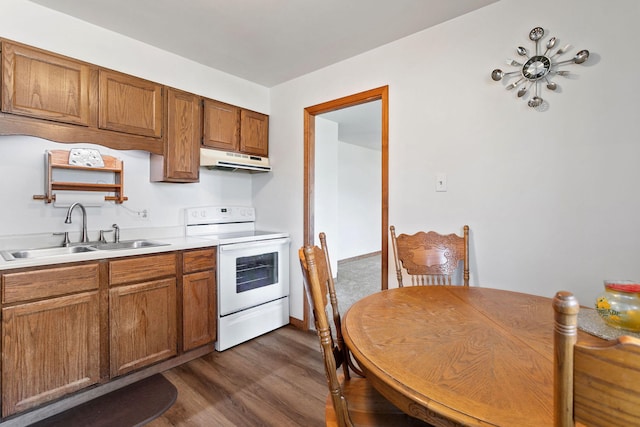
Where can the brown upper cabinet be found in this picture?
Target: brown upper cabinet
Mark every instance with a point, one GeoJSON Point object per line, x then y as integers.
{"type": "Point", "coordinates": [254, 133]}
{"type": "Point", "coordinates": [48, 86]}
{"type": "Point", "coordinates": [66, 100]}
{"type": "Point", "coordinates": [221, 128]}
{"type": "Point", "coordinates": [130, 104]}
{"type": "Point", "coordinates": [181, 160]}
{"type": "Point", "coordinates": [230, 128]}
{"type": "Point", "coordinates": [59, 98]}
{"type": "Point", "coordinates": [44, 85]}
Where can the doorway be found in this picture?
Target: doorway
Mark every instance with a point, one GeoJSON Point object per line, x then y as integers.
{"type": "Point", "coordinates": [310, 114]}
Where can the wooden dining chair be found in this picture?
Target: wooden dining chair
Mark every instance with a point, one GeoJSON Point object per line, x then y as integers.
{"type": "Point", "coordinates": [430, 258]}
{"type": "Point", "coordinates": [335, 310]}
{"type": "Point", "coordinates": [593, 385]}
{"type": "Point", "coordinates": [351, 401]}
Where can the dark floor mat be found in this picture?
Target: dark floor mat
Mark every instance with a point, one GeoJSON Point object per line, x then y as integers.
{"type": "Point", "coordinates": [133, 405]}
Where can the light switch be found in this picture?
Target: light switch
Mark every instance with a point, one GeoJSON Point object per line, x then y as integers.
{"type": "Point", "coordinates": [441, 182]}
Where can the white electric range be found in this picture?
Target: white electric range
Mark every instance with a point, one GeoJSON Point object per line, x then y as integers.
{"type": "Point", "coordinates": [252, 271]}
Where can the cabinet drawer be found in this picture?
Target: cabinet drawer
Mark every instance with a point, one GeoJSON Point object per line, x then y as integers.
{"type": "Point", "coordinates": [199, 260]}
{"type": "Point", "coordinates": [50, 282]}
{"type": "Point", "coordinates": [143, 268]}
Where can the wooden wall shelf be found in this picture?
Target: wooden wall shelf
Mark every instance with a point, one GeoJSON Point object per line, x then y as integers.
{"type": "Point", "coordinates": [59, 159]}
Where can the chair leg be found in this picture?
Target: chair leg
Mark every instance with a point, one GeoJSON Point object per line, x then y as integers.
{"type": "Point", "coordinates": [354, 366]}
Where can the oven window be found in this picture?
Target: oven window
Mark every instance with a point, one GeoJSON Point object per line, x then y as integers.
{"type": "Point", "coordinates": [256, 271]}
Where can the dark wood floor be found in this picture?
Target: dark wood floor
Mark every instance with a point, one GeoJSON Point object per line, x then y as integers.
{"type": "Point", "coordinates": [274, 380]}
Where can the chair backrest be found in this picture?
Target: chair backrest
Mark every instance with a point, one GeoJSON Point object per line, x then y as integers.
{"type": "Point", "coordinates": [318, 280]}
{"type": "Point", "coordinates": [430, 258]}
{"type": "Point", "coordinates": [593, 385]}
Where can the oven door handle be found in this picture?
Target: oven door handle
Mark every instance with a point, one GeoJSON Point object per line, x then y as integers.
{"type": "Point", "coordinates": [250, 245]}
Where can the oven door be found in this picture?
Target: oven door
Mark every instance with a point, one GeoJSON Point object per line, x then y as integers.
{"type": "Point", "coordinates": [252, 273]}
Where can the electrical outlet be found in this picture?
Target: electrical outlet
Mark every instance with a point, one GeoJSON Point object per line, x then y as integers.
{"type": "Point", "coordinates": [143, 214]}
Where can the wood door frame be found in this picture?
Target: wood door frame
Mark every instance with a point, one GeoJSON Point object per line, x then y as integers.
{"type": "Point", "coordinates": [310, 113]}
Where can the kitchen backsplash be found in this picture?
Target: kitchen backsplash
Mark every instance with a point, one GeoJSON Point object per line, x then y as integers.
{"type": "Point", "coordinates": [22, 166]}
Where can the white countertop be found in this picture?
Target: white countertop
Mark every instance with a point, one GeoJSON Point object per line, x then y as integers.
{"type": "Point", "coordinates": [175, 243]}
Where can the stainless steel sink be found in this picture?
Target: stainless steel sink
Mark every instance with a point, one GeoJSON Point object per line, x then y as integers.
{"type": "Point", "coordinates": [44, 252]}
{"type": "Point", "coordinates": [14, 255]}
{"type": "Point", "coordinates": [129, 244]}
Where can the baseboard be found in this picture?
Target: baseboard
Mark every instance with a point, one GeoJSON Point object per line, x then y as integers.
{"type": "Point", "coordinates": [359, 257]}
{"type": "Point", "coordinates": [298, 324]}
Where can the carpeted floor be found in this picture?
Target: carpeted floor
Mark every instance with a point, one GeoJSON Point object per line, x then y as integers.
{"type": "Point", "coordinates": [357, 278]}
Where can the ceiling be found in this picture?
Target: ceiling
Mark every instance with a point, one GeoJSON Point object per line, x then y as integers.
{"type": "Point", "coordinates": [272, 41]}
{"type": "Point", "coordinates": [360, 125]}
{"type": "Point", "coordinates": [265, 41]}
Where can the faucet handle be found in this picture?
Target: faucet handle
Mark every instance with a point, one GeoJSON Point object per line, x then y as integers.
{"type": "Point", "coordinates": [66, 241]}
{"type": "Point", "coordinates": [102, 239]}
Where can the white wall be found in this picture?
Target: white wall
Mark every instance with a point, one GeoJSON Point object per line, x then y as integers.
{"type": "Point", "coordinates": [327, 213]}
{"type": "Point", "coordinates": [347, 194]}
{"type": "Point", "coordinates": [551, 197]}
{"type": "Point", "coordinates": [359, 195]}
{"type": "Point", "coordinates": [21, 158]}
{"type": "Point", "coordinates": [22, 171]}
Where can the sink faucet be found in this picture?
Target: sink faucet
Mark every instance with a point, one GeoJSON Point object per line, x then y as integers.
{"type": "Point", "coordinates": [84, 238]}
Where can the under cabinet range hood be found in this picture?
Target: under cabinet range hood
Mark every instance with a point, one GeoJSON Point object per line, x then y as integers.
{"type": "Point", "coordinates": [217, 159]}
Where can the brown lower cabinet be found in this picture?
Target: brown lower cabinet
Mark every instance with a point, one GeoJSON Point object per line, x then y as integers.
{"type": "Point", "coordinates": [142, 319]}
{"type": "Point", "coordinates": [142, 311]}
{"type": "Point", "coordinates": [51, 346]}
{"type": "Point", "coordinates": [199, 298]}
{"type": "Point", "coordinates": [72, 326]}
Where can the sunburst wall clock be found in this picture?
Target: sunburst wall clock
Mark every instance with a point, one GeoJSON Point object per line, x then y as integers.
{"type": "Point", "coordinates": [538, 68]}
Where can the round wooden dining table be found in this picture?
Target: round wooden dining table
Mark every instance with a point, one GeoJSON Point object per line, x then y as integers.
{"type": "Point", "coordinates": [455, 355]}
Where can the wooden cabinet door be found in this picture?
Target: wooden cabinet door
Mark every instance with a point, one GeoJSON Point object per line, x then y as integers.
{"type": "Point", "coordinates": [198, 309]}
{"type": "Point", "coordinates": [44, 85]}
{"type": "Point", "coordinates": [221, 128]}
{"type": "Point", "coordinates": [184, 132]}
{"type": "Point", "coordinates": [142, 324]}
{"type": "Point", "coordinates": [254, 133]}
{"type": "Point", "coordinates": [129, 104]}
{"type": "Point", "coordinates": [49, 348]}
